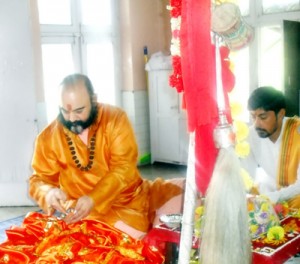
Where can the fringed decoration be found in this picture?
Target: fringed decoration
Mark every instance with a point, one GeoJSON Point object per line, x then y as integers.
{"type": "Point", "coordinates": [225, 234]}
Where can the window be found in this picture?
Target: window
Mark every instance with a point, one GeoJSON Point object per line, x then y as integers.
{"type": "Point", "coordinates": [79, 36]}
{"type": "Point", "coordinates": [262, 62]}
{"type": "Point", "coordinates": [271, 50]}
{"type": "Point", "coordinates": [240, 93]}
{"type": "Point", "coordinates": [279, 6]}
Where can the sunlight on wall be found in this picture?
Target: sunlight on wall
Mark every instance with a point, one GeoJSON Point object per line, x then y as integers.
{"type": "Point", "coordinates": [240, 67]}
{"type": "Point", "coordinates": [271, 57]}
{"type": "Point", "coordinates": [57, 63]}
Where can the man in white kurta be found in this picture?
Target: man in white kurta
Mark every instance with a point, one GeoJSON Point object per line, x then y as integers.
{"type": "Point", "coordinates": [266, 138]}
{"type": "Point", "coordinates": [262, 163]}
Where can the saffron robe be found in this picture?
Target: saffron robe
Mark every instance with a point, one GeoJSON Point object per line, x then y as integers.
{"type": "Point", "coordinates": [290, 157]}
{"type": "Point", "coordinates": [113, 182]}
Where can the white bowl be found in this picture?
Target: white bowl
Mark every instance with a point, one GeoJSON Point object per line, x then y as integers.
{"type": "Point", "coordinates": [171, 220]}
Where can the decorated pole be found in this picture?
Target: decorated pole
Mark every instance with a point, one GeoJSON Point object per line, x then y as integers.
{"type": "Point", "coordinates": [201, 72]}
{"type": "Point", "coordinates": [190, 197]}
{"type": "Point", "coordinates": [196, 66]}
{"type": "Point", "coordinates": [225, 232]}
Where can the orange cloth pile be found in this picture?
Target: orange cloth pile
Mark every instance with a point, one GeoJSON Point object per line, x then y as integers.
{"type": "Point", "coordinates": [44, 239]}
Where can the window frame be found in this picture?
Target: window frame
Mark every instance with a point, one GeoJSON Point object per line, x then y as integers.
{"type": "Point", "coordinates": [258, 20]}
{"type": "Point", "coordinates": [79, 36]}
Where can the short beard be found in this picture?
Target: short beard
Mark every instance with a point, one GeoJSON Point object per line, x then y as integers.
{"type": "Point", "coordinates": [78, 126]}
{"type": "Point", "coordinates": [262, 133]}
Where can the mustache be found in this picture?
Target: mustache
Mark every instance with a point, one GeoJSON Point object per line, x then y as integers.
{"type": "Point", "coordinates": [260, 129]}
{"type": "Point", "coordinates": [78, 126]}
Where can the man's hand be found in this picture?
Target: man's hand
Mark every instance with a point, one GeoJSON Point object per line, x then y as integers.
{"type": "Point", "coordinates": [54, 199]}
{"type": "Point", "coordinates": [83, 207]}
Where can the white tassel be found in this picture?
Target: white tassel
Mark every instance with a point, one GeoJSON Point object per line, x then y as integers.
{"type": "Point", "coordinates": [225, 235]}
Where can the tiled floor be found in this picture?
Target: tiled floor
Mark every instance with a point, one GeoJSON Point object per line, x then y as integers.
{"type": "Point", "coordinates": [163, 170]}
{"type": "Point", "coordinates": [7, 212]}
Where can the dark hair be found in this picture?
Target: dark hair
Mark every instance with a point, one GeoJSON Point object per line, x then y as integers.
{"type": "Point", "coordinates": [74, 78]}
{"type": "Point", "coordinates": [267, 98]}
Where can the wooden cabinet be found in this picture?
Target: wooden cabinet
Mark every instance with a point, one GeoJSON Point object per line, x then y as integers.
{"type": "Point", "coordinates": [168, 122]}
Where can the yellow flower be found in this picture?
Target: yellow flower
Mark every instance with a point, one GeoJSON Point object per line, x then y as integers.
{"type": "Point", "coordinates": [199, 210]}
{"type": "Point", "coordinates": [242, 149]}
{"type": "Point", "coordinates": [236, 109]}
{"type": "Point", "coordinates": [265, 207]}
{"type": "Point", "coordinates": [247, 179]}
{"type": "Point", "coordinates": [253, 229]}
{"type": "Point", "coordinates": [275, 233]}
{"type": "Point", "coordinates": [242, 130]}
{"type": "Point", "coordinates": [198, 220]}
{"type": "Point", "coordinates": [297, 213]}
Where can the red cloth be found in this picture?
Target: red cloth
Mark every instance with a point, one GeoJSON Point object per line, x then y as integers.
{"type": "Point", "coordinates": [197, 63]}
{"type": "Point", "coordinates": [46, 239]}
{"type": "Point", "coordinates": [160, 235]}
{"type": "Point", "coordinates": [199, 81]}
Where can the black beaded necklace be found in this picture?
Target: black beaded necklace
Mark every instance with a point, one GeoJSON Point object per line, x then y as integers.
{"type": "Point", "coordinates": [91, 153]}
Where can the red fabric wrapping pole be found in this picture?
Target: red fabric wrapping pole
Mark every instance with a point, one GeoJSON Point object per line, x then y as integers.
{"type": "Point", "coordinates": [197, 62]}
{"type": "Point", "coordinates": [199, 80]}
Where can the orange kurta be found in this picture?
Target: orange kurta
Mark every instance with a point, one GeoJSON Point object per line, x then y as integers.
{"type": "Point", "coordinates": [113, 182]}
{"type": "Point", "coordinates": [290, 157]}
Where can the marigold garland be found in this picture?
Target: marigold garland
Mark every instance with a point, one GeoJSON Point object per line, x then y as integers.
{"type": "Point", "coordinates": [176, 8]}
{"type": "Point", "coordinates": [275, 233]}
{"type": "Point", "coordinates": [175, 79]}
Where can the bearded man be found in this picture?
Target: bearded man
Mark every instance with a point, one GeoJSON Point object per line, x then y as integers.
{"type": "Point", "coordinates": [274, 147]}
{"type": "Point", "coordinates": [86, 160]}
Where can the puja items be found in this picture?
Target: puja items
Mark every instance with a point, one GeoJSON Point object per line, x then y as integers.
{"type": "Point", "coordinates": [172, 221]}
{"type": "Point", "coordinates": [262, 216]}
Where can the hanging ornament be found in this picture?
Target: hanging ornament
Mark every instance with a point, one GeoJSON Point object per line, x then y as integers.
{"type": "Point", "coordinates": [228, 23]}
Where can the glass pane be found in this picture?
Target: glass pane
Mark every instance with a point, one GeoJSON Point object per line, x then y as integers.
{"type": "Point", "coordinates": [244, 7]}
{"type": "Point", "coordinates": [57, 63]}
{"type": "Point", "coordinates": [240, 68]}
{"type": "Point", "coordinates": [271, 51]}
{"type": "Point", "coordinates": [96, 12]}
{"type": "Point", "coordinates": [271, 6]}
{"type": "Point", "coordinates": [100, 68]}
{"type": "Point", "coordinates": [55, 12]}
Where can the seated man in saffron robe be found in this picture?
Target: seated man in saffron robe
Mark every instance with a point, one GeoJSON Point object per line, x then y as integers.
{"type": "Point", "coordinates": [86, 159]}
{"type": "Point", "coordinates": [274, 147]}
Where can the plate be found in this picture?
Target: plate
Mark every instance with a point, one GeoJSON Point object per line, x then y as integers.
{"type": "Point", "coordinates": [171, 220]}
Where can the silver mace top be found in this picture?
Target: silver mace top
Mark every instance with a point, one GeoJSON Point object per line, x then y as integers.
{"type": "Point", "coordinates": [224, 135]}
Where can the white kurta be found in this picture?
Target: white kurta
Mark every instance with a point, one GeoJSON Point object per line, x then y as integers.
{"type": "Point", "coordinates": [262, 165]}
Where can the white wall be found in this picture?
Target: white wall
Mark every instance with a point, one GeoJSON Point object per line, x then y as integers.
{"type": "Point", "coordinates": [136, 105]}
{"type": "Point", "coordinates": [17, 101]}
